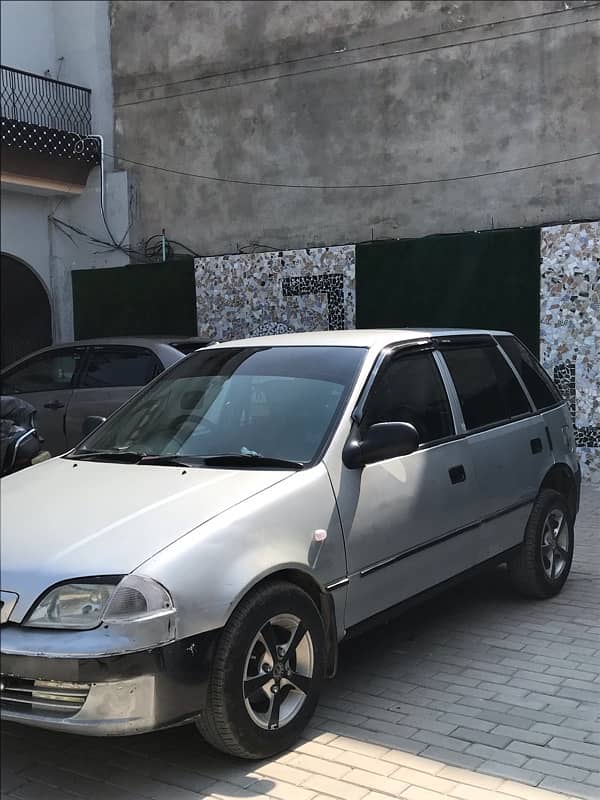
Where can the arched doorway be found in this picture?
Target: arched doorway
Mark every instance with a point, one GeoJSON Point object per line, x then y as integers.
{"type": "Point", "coordinates": [26, 318]}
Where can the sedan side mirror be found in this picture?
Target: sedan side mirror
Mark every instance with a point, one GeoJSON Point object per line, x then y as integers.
{"type": "Point", "coordinates": [382, 441]}
{"type": "Point", "coordinates": [90, 424]}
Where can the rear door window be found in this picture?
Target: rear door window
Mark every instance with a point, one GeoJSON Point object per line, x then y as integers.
{"type": "Point", "coordinates": [119, 366]}
{"type": "Point", "coordinates": [543, 392]}
{"type": "Point", "coordinates": [488, 389]}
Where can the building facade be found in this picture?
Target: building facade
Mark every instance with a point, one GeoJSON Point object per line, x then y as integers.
{"type": "Point", "coordinates": [355, 92]}
{"type": "Point", "coordinates": [56, 91]}
{"type": "Point", "coordinates": [277, 140]}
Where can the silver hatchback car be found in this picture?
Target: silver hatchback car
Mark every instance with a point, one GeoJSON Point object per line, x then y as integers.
{"type": "Point", "coordinates": [202, 553]}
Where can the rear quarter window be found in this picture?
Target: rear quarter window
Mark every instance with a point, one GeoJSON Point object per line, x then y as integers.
{"type": "Point", "coordinates": [543, 392]}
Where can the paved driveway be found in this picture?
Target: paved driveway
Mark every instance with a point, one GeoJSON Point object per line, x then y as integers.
{"type": "Point", "coordinates": [479, 695]}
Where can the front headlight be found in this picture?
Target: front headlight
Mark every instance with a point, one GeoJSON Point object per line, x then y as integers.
{"type": "Point", "coordinates": [85, 604]}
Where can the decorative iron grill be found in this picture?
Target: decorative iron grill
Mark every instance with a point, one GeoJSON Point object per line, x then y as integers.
{"type": "Point", "coordinates": [37, 100]}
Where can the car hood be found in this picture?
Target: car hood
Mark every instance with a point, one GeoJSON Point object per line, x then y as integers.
{"type": "Point", "coordinates": [66, 519]}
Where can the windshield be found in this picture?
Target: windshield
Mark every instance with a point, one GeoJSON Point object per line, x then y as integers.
{"type": "Point", "coordinates": [277, 403]}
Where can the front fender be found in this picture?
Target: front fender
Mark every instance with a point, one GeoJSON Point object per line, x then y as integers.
{"type": "Point", "coordinates": [212, 568]}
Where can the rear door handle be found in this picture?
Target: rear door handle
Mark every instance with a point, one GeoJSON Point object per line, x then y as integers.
{"type": "Point", "coordinates": [536, 446]}
{"type": "Point", "coordinates": [54, 405]}
{"type": "Point", "coordinates": [457, 474]}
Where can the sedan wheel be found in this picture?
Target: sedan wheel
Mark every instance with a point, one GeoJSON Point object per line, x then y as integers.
{"type": "Point", "coordinates": [267, 673]}
{"type": "Point", "coordinates": [543, 562]}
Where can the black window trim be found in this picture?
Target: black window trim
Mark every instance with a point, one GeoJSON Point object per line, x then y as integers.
{"type": "Point", "coordinates": [54, 351]}
{"type": "Point", "coordinates": [436, 344]}
{"type": "Point", "coordinates": [92, 348]}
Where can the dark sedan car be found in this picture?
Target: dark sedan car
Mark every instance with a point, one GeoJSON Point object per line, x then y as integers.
{"type": "Point", "coordinates": [68, 382]}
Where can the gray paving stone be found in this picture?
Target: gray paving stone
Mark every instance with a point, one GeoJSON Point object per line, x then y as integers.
{"type": "Point", "coordinates": [452, 757]}
{"type": "Point", "coordinates": [557, 770]}
{"type": "Point", "coordinates": [576, 747]}
{"type": "Point", "coordinates": [481, 737]}
{"type": "Point", "coordinates": [575, 789]}
{"type": "Point", "coordinates": [585, 762]}
{"type": "Point", "coordinates": [530, 736]}
{"type": "Point", "coordinates": [512, 773]}
{"type": "Point", "coordinates": [495, 754]}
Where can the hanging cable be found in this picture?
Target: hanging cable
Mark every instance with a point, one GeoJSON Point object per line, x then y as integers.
{"type": "Point", "coordinates": [395, 184]}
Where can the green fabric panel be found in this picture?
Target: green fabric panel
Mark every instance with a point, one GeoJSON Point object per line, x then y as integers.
{"type": "Point", "coordinates": [135, 300]}
{"type": "Point", "coordinates": [466, 280]}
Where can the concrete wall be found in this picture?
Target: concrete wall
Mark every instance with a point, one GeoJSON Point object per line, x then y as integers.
{"type": "Point", "coordinates": [355, 92]}
{"type": "Point", "coordinates": [35, 35]}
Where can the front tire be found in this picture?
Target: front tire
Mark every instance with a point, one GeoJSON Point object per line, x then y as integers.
{"type": "Point", "coordinates": [542, 566]}
{"type": "Point", "coordinates": [267, 673]}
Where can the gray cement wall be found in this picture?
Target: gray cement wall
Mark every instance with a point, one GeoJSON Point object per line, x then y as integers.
{"type": "Point", "coordinates": [355, 93]}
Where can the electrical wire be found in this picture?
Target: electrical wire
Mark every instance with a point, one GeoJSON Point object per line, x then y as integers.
{"type": "Point", "coordinates": [373, 60]}
{"type": "Point", "coordinates": [344, 50]}
{"type": "Point", "coordinates": [422, 182]}
{"type": "Point", "coordinates": [151, 252]}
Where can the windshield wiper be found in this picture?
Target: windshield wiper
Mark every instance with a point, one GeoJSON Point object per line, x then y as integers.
{"type": "Point", "coordinates": [126, 456]}
{"type": "Point", "coordinates": [172, 461]}
{"type": "Point", "coordinates": [250, 460]}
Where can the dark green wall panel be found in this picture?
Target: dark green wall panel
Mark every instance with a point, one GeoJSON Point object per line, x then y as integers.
{"type": "Point", "coordinates": [135, 300]}
{"type": "Point", "coordinates": [470, 280]}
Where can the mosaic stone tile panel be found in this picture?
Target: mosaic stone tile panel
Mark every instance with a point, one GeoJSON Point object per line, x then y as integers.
{"type": "Point", "coordinates": [276, 292]}
{"type": "Point", "coordinates": [570, 329]}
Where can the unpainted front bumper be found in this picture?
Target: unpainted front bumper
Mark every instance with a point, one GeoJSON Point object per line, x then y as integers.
{"type": "Point", "coordinates": [124, 694]}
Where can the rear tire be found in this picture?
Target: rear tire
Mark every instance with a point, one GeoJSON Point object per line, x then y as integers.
{"type": "Point", "coordinates": [266, 677]}
{"type": "Point", "coordinates": [542, 566]}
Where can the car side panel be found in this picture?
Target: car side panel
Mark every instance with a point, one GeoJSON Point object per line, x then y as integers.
{"type": "Point", "coordinates": [510, 461]}
{"type": "Point", "coordinates": [211, 568]}
{"type": "Point", "coordinates": [560, 430]}
{"type": "Point", "coordinates": [50, 407]}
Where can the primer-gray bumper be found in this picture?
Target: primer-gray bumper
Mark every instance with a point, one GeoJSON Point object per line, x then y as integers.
{"type": "Point", "coordinates": [117, 694]}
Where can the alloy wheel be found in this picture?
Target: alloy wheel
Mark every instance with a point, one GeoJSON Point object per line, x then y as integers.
{"type": "Point", "coordinates": [278, 671]}
{"type": "Point", "coordinates": [555, 544]}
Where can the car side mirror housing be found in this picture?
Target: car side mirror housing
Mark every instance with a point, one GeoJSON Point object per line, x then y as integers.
{"type": "Point", "coordinates": [381, 441]}
{"type": "Point", "coordinates": [90, 424]}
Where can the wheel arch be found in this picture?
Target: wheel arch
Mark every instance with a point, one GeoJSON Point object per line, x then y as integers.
{"type": "Point", "coordinates": [560, 477]}
{"type": "Point", "coordinates": [318, 594]}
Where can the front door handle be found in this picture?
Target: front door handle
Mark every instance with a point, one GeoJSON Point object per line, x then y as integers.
{"type": "Point", "coordinates": [457, 474]}
{"type": "Point", "coordinates": [54, 405]}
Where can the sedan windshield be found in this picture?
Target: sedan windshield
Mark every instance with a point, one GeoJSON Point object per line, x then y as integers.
{"type": "Point", "coordinates": [234, 406]}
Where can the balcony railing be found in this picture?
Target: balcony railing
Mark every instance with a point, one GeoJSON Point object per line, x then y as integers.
{"type": "Point", "coordinates": [38, 100]}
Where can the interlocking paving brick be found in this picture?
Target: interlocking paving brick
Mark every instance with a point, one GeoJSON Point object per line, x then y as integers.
{"type": "Point", "coordinates": [478, 694]}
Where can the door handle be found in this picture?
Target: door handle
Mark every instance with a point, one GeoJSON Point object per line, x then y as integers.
{"type": "Point", "coordinates": [457, 474]}
{"type": "Point", "coordinates": [54, 405]}
{"type": "Point", "coordinates": [536, 445]}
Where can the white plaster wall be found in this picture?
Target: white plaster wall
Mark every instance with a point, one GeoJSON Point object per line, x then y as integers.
{"type": "Point", "coordinates": [25, 230]}
{"type": "Point", "coordinates": [34, 36]}
{"type": "Point", "coordinates": [27, 35]}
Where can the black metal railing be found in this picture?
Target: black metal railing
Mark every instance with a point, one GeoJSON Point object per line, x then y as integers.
{"type": "Point", "coordinates": [38, 100]}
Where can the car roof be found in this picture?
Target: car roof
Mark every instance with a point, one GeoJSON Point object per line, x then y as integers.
{"type": "Point", "coordinates": [356, 338]}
